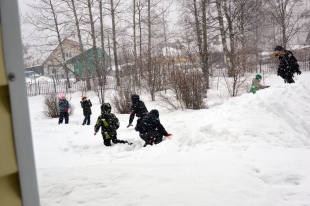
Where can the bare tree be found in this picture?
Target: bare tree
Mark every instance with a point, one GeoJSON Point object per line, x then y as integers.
{"type": "Point", "coordinates": [93, 36]}
{"type": "Point", "coordinates": [29, 59]}
{"type": "Point", "coordinates": [134, 26]}
{"type": "Point", "coordinates": [149, 52]}
{"type": "Point", "coordinates": [100, 90]}
{"type": "Point", "coordinates": [154, 24]}
{"type": "Point", "coordinates": [85, 69]}
{"type": "Point", "coordinates": [196, 14]}
{"type": "Point", "coordinates": [285, 17]}
{"type": "Point", "coordinates": [205, 67]}
{"type": "Point", "coordinates": [222, 29]}
{"type": "Point", "coordinates": [234, 23]}
{"type": "Point", "coordinates": [103, 59]}
{"type": "Point", "coordinates": [60, 42]}
{"type": "Point", "coordinates": [50, 20]}
{"type": "Point", "coordinates": [140, 7]}
{"type": "Point", "coordinates": [112, 10]}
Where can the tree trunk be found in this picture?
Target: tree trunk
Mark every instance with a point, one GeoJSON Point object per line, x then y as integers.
{"type": "Point", "coordinates": [165, 71]}
{"type": "Point", "coordinates": [137, 81]}
{"type": "Point", "coordinates": [282, 16]}
{"type": "Point", "coordinates": [197, 26]}
{"type": "Point", "coordinates": [85, 67]}
{"type": "Point", "coordinates": [93, 36]}
{"type": "Point", "coordinates": [231, 55]}
{"type": "Point", "coordinates": [222, 30]}
{"type": "Point", "coordinates": [149, 54]}
{"type": "Point", "coordinates": [140, 40]}
{"type": "Point", "coordinates": [202, 41]}
{"type": "Point", "coordinates": [103, 60]}
{"type": "Point", "coordinates": [114, 43]}
{"type": "Point", "coordinates": [205, 54]}
{"type": "Point", "coordinates": [60, 44]}
{"type": "Point", "coordinates": [109, 46]}
{"type": "Point", "coordinates": [242, 36]}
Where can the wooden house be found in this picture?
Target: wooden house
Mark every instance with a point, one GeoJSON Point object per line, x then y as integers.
{"type": "Point", "coordinates": [77, 63]}
{"type": "Point", "coordinates": [53, 64]}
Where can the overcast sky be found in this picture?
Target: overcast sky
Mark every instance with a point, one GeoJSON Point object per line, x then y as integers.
{"type": "Point", "coordinates": [23, 9]}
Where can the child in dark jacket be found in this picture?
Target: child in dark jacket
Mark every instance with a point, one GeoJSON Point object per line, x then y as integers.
{"type": "Point", "coordinates": [137, 109]}
{"type": "Point", "coordinates": [86, 105]}
{"type": "Point", "coordinates": [288, 64]}
{"type": "Point", "coordinates": [63, 105]}
{"type": "Point", "coordinates": [108, 123]}
{"type": "Point", "coordinates": [151, 130]}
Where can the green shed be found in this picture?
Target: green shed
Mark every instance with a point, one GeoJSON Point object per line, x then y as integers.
{"type": "Point", "coordinates": [89, 55]}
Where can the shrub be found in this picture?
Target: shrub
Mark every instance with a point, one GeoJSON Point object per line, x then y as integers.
{"type": "Point", "coordinates": [189, 88]}
{"type": "Point", "coordinates": [51, 102]}
{"type": "Point", "coordinates": [122, 101]}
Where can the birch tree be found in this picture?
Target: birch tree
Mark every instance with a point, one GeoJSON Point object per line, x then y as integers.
{"type": "Point", "coordinates": [72, 5]}
{"type": "Point", "coordinates": [50, 20]}
{"type": "Point", "coordinates": [103, 59]}
{"type": "Point", "coordinates": [149, 52]}
{"type": "Point", "coordinates": [112, 10]}
{"type": "Point", "coordinates": [100, 90]}
{"type": "Point", "coordinates": [200, 16]}
{"type": "Point", "coordinates": [134, 27]}
{"type": "Point", "coordinates": [283, 14]}
{"type": "Point", "coordinates": [140, 7]}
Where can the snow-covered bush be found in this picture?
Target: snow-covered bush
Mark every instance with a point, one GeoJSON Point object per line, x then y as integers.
{"type": "Point", "coordinates": [51, 103]}
{"type": "Point", "coordinates": [122, 101]}
{"type": "Point", "coordinates": [189, 88]}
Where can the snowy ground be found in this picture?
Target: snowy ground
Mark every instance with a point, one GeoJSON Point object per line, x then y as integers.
{"type": "Point", "coordinates": [252, 150]}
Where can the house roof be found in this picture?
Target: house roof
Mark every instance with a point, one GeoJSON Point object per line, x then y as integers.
{"type": "Point", "coordinates": [88, 53]}
{"type": "Point", "coordinates": [34, 67]}
{"type": "Point", "coordinates": [71, 42]}
{"type": "Point", "coordinates": [66, 41]}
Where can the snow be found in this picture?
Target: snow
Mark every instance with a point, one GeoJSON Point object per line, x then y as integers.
{"type": "Point", "coordinates": [248, 150]}
{"type": "Point", "coordinates": [169, 51]}
{"type": "Point", "coordinates": [41, 79]}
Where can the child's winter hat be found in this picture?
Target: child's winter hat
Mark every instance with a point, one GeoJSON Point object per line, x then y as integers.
{"type": "Point", "coordinates": [155, 113]}
{"type": "Point", "coordinates": [258, 76]}
{"type": "Point", "coordinates": [278, 48]}
{"type": "Point", "coordinates": [106, 108]}
{"type": "Point", "coordinates": [62, 96]}
{"type": "Point", "coordinates": [278, 51]}
{"type": "Point", "coordinates": [135, 98]}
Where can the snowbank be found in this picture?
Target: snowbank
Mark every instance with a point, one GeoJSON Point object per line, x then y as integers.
{"type": "Point", "coordinates": [250, 150]}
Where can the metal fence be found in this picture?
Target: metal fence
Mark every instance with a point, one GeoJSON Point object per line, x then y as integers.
{"type": "Point", "coordinates": [273, 67]}
{"type": "Point", "coordinates": [45, 88]}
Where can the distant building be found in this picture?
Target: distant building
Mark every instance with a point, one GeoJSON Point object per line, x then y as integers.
{"type": "Point", "coordinates": [77, 65]}
{"type": "Point", "coordinates": [302, 53]}
{"type": "Point", "coordinates": [37, 69]}
{"type": "Point", "coordinates": [53, 64]}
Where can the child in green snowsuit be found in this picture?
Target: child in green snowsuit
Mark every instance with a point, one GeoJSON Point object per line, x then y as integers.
{"type": "Point", "coordinates": [108, 123]}
{"type": "Point", "coordinates": [256, 85]}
